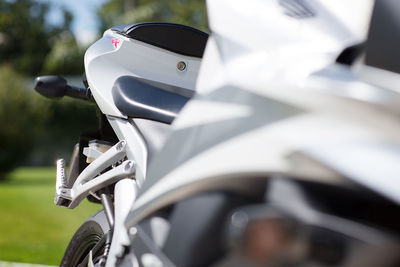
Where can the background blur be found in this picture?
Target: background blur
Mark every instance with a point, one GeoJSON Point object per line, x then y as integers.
{"type": "Point", "coordinates": [39, 37]}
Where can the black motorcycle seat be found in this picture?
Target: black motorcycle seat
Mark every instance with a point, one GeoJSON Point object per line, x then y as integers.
{"type": "Point", "coordinates": [176, 38]}
{"type": "Point", "coordinates": [140, 98]}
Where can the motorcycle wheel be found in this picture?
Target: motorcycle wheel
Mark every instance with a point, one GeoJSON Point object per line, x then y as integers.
{"type": "Point", "coordinates": [85, 238]}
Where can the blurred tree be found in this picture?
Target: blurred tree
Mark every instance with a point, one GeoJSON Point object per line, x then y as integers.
{"type": "Point", "coordinates": [26, 38]}
{"type": "Point", "coordinates": [31, 122]}
{"type": "Point", "coordinates": [65, 57]}
{"type": "Point", "coordinates": [187, 12]}
{"type": "Point", "coordinates": [67, 118]}
{"type": "Point", "coordinates": [21, 116]}
{"type": "Point", "coordinates": [29, 46]}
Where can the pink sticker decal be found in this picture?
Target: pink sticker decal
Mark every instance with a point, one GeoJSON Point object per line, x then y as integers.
{"type": "Point", "coordinates": [115, 42]}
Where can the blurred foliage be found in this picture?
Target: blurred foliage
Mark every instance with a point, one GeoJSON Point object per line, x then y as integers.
{"type": "Point", "coordinates": [26, 39]}
{"type": "Point", "coordinates": [66, 120]}
{"type": "Point", "coordinates": [65, 56]}
{"type": "Point", "coordinates": [29, 122]}
{"type": "Point", "coordinates": [187, 12]}
{"type": "Point", "coordinates": [20, 117]}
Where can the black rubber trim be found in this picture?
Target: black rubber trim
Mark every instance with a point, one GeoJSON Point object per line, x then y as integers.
{"type": "Point", "coordinates": [138, 99]}
{"type": "Point", "coordinates": [176, 38]}
{"type": "Point", "coordinates": [350, 54]}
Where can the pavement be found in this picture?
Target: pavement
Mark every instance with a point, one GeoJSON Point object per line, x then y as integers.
{"type": "Point", "coordinates": [17, 264]}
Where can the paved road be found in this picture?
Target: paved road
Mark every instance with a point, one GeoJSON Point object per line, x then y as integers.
{"type": "Point", "coordinates": [16, 264]}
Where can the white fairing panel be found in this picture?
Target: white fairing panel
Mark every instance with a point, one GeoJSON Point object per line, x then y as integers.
{"type": "Point", "coordinates": [269, 24]}
{"type": "Point", "coordinates": [115, 55]}
{"type": "Point", "coordinates": [272, 101]}
{"type": "Point", "coordinates": [284, 38]}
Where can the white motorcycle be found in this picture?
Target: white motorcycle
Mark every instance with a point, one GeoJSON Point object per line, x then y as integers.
{"type": "Point", "coordinates": [274, 141]}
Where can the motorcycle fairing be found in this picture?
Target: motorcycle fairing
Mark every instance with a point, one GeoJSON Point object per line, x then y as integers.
{"type": "Point", "coordinates": [154, 134]}
{"type": "Point", "coordinates": [333, 26]}
{"type": "Point", "coordinates": [264, 121]}
{"type": "Point", "coordinates": [116, 55]}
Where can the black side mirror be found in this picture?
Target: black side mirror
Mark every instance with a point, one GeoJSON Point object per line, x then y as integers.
{"type": "Point", "coordinates": [54, 86]}
{"type": "Point", "coordinates": [51, 86]}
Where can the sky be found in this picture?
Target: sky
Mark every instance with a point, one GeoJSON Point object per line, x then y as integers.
{"type": "Point", "coordinates": [85, 24]}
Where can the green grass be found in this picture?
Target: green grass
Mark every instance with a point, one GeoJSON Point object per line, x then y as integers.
{"type": "Point", "coordinates": [32, 228]}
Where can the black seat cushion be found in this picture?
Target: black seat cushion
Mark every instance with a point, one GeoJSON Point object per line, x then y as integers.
{"type": "Point", "coordinates": [136, 98]}
{"type": "Point", "coordinates": [176, 38]}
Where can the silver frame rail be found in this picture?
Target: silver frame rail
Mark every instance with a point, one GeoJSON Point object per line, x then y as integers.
{"type": "Point", "coordinates": [90, 180]}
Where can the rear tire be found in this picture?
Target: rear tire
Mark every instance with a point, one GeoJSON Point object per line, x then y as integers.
{"type": "Point", "coordinates": [87, 236]}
